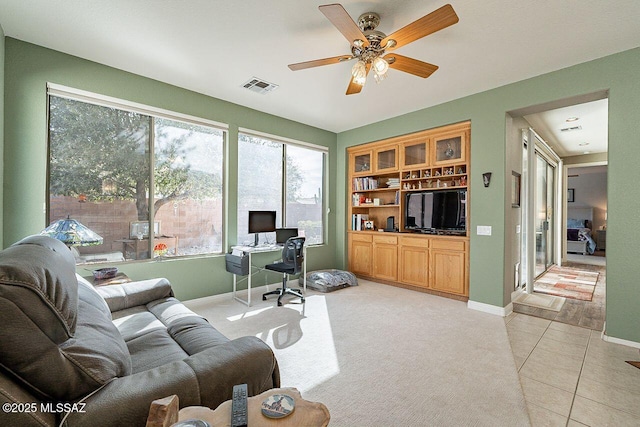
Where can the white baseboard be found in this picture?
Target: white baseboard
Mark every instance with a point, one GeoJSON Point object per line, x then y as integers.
{"type": "Point", "coordinates": [620, 341]}
{"type": "Point", "coordinates": [491, 309]}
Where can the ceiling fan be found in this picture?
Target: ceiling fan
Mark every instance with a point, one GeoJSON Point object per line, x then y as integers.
{"type": "Point", "coordinates": [369, 46]}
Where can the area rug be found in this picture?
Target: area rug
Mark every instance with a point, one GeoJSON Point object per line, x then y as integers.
{"type": "Point", "coordinates": [567, 282]}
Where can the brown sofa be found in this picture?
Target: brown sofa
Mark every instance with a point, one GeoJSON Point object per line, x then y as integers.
{"type": "Point", "coordinates": [83, 356]}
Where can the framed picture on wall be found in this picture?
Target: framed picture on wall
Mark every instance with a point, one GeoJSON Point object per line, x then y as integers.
{"type": "Point", "coordinates": [571, 195]}
{"type": "Point", "coordinates": [515, 189]}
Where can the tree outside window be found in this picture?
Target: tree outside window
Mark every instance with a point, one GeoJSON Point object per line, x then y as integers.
{"type": "Point", "coordinates": [100, 174]}
{"type": "Point", "coordinates": [280, 177]}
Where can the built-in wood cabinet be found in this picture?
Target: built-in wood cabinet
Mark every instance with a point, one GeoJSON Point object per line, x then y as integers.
{"type": "Point", "coordinates": [381, 174]}
{"type": "Point", "coordinates": [385, 257]}
{"type": "Point", "coordinates": [414, 261]}
{"type": "Point", "coordinates": [361, 254]}
{"type": "Point", "coordinates": [436, 263]}
{"type": "Point", "coordinates": [448, 266]}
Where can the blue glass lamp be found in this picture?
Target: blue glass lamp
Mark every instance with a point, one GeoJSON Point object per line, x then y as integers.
{"type": "Point", "coordinates": [72, 233]}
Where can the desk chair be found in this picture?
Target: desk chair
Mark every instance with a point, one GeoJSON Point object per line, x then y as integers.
{"type": "Point", "coordinates": [292, 258]}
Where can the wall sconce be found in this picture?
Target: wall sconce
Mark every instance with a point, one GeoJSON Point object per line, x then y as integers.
{"type": "Point", "coordinates": [486, 178]}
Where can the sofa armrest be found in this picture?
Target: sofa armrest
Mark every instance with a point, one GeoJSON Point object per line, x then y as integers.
{"type": "Point", "coordinates": [127, 295]}
{"type": "Point", "coordinates": [203, 379]}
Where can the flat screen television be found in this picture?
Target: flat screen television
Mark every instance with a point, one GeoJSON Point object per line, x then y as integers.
{"type": "Point", "coordinates": [436, 211]}
{"type": "Point", "coordinates": [261, 222]}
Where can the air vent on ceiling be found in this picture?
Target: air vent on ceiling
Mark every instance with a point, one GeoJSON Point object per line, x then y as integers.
{"type": "Point", "coordinates": [570, 129]}
{"type": "Point", "coordinates": [259, 86]}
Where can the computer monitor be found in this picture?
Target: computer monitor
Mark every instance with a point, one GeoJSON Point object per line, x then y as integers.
{"type": "Point", "coordinates": [261, 222]}
{"type": "Point", "coordinates": [283, 234]}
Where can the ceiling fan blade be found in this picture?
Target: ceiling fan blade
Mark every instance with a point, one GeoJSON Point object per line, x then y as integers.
{"type": "Point", "coordinates": [428, 24]}
{"type": "Point", "coordinates": [410, 65]}
{"type": "Point", "coordinates": [354, 87]}
{"type": "Point", "coordinates": [343, 22]}
{"type": "Point", "coordinates": [319, 62]}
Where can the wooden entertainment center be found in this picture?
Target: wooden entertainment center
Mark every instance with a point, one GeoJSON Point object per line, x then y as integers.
{"type": "Point", "coordinates": [381, 174]}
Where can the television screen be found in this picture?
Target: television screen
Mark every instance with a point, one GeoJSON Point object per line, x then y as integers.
{"type": "Point", "coordinates": [436, 210]}
{"type": "Point", "coordinates": [448, 210]}
{"type": "Point", "coordinates": [262, 221]}
{"type": "Point", "coordinates": [419, 208]}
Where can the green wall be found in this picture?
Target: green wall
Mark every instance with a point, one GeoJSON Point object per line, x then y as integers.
{"type": "Point", "coordinates": [28, 70]}
{"type": "Point", "coordinates": [487, 112]}
{"type": "Point", "coordinates": [1, 126]}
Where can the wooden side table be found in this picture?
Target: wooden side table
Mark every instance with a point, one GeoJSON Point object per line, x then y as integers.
{"type": "Point", "coordinates": [306, 413]}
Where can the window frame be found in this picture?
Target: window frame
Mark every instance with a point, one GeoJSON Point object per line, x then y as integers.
{"type": "Point", "coordinates": [325, 175]}
{"type": "Point", "coordinates": [154, 113]}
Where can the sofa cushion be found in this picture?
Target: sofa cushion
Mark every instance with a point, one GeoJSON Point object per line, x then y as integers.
{"type": "Point", "coordinates": [34, 274]}
{"type": "Point", "coordinates": [56, 337]}
{"type": "Point", "coordinates": [93, 297]}
{"type": "Point", "coordinates": [164, 331]}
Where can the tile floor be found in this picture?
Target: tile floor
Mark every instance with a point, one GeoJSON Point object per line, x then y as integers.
{"type": "Point", "coordinates": [589, 314]}
{"type": "Point", "coordinates": [571, 377]}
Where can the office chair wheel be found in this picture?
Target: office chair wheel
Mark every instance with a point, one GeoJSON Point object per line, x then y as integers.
{"type": "Point", "coordinates": [264, 298]}
{"type": "Point", "coordinates": [279, 304]}
{"type": "Point", "coordinates": [301, 299]}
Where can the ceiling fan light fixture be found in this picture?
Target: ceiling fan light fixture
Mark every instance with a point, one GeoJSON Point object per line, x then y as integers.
{"type": "Point", "coordinates": [359, 72]}
{"type": "Point", "coordinates": [380, 66]}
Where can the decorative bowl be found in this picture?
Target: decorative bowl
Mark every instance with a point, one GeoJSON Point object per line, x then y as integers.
{"type": "Point", "coordinates": [105, 273]}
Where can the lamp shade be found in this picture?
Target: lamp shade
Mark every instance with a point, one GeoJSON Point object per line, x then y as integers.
{"type": "Point", "coordinates": [72, 233]}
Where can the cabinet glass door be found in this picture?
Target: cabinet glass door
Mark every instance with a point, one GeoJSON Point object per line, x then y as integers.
{"type": "Point", "coordinates": [386, 159]}
{"type": "Point", "coordinates": [449, 150]}
{"type": "Point", "coordinates": [362, 163]}
{"type": "Point", "coordinates": [415, 154]}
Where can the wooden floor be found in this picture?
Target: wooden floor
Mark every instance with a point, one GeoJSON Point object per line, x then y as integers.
{"type": "Point", "coordinates": [587, 314]}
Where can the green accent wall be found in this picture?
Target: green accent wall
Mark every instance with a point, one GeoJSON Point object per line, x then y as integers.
{"type": "Point", "coordinates": [487, 112]}
{"type": "Point", "coordinates": [1, 127]}
{"type": "Point", "coordinates": [28, 69]}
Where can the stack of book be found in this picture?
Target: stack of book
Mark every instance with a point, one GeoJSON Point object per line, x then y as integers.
{"type": "Point", "coordinates": [357, 221]}
{"type": "Point", "coordinates": [393, 183]}
{"type": "Point", "coordinates": [366, 183]}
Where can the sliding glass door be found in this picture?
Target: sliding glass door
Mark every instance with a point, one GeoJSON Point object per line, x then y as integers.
{"type": "Point", "coordinates": [544, 214]}
{"type": "Point", "coordinates": [540, 168]}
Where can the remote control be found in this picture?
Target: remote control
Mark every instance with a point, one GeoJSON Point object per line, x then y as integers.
{"type": "Point", "coordinates": [239, 406]}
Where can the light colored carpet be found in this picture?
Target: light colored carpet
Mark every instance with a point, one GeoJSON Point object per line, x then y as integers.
{"type": "Point", "coordinates": [377, 355]}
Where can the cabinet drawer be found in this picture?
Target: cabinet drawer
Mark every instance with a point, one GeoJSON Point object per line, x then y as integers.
{"type": "Point", "coordinates": [451, 245]}
{"type": "Point", "coordinates": [361, 237]}
{"type": "Point", "coordinates": [416, 242]}
{"type": "Point", "coordinates": [391, 240]}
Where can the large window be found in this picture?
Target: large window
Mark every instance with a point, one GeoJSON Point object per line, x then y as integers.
{"type": "Point", "coordinates": [149, 184]}
{"type": "Point", "coordinates": [284, 177]}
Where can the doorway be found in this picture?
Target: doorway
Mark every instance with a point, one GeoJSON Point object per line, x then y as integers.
{"type": "Point", "coordinates": [575, 130]}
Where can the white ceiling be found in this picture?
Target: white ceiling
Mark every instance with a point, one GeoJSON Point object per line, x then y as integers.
{"type": "Point", "coordinates": [574, 130]}
{"type": "Point", "coordinates": [213, 47]}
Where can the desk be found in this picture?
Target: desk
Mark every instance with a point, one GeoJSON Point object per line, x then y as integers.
{"type": "Point", "coordinates": [248, 250]}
